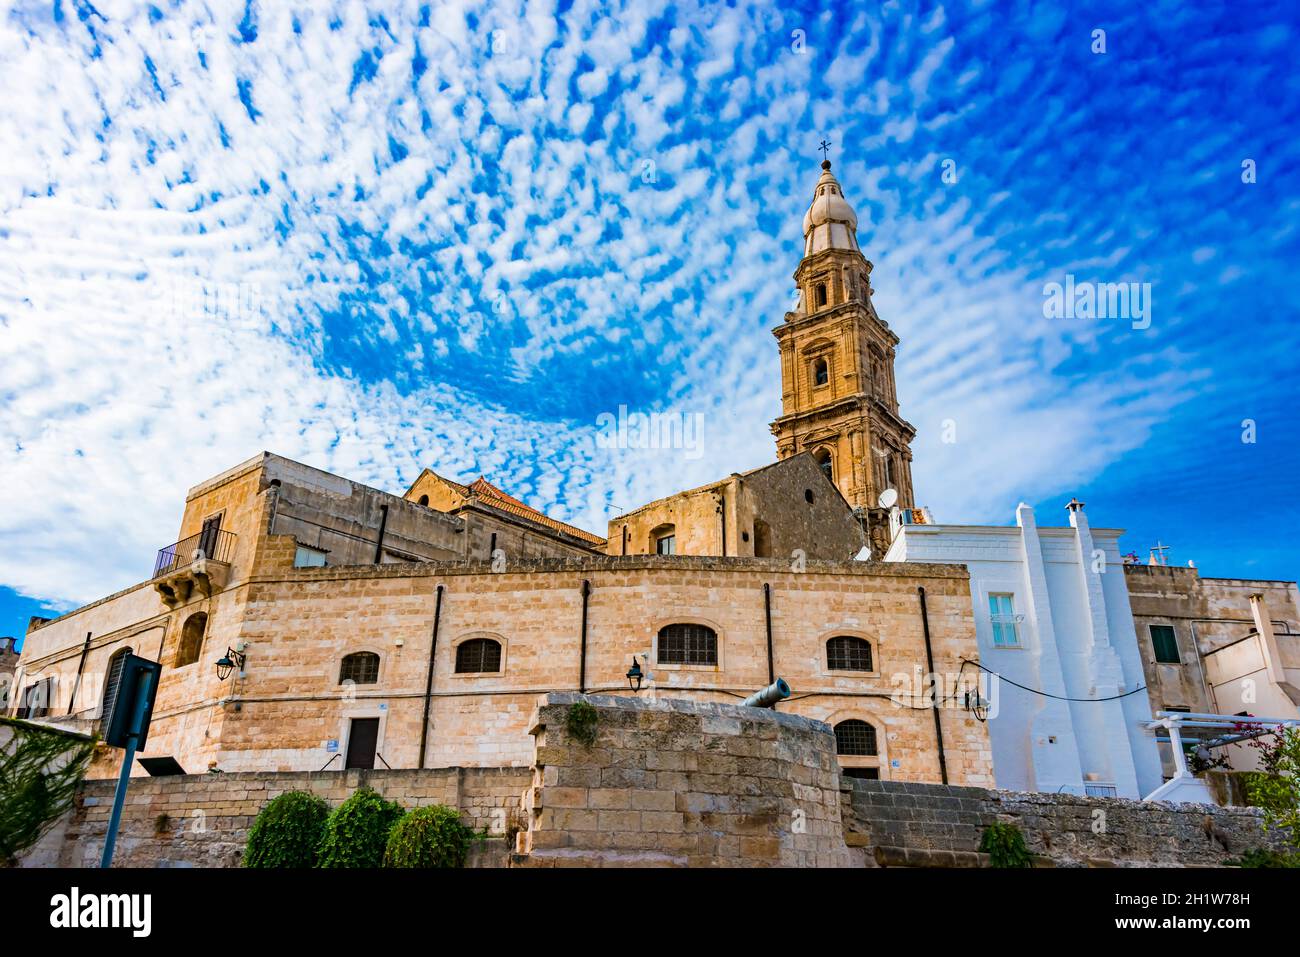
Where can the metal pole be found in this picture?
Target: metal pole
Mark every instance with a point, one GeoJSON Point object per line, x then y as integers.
{"type": "Point", "coordinates": [128, 756]}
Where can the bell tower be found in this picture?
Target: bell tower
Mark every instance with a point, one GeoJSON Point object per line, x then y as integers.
{"type": "Point", "coordinates": [838, 398]}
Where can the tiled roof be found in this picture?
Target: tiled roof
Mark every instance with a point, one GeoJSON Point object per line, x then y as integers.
{"type": "Point", "coordinates": [489, 494]}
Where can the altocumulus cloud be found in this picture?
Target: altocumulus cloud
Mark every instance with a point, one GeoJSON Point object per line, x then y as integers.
{"type": "Point", "coordinates": [378, 238]}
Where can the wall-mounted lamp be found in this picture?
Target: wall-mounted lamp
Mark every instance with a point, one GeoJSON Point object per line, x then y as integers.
{"type": "Point", "coordinates": [634, 675]}
{"type": "Point", "coordinates": [227, 663]}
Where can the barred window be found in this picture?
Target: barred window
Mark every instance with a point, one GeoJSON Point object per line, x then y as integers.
{"type": "Point", "coordinates": [846, 653]}
{"type": "Point", "coordinates": [687, 644]}
{"type": "Point", "coordinates": [361, 668]}
{"type": "Point", "coordinates": [478, 654]}
{"type": "Point", "coordinates": [855, 738]}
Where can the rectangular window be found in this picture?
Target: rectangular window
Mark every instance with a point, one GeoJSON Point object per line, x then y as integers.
{"type": "Point", "coordinates": [1165, 644]}
{"type": "Point", "coordinates": [1002, 613]}
{"type": "Point", "coordinates": [308, 558]}
{"type": "Point", "coordinates": [666, 545]}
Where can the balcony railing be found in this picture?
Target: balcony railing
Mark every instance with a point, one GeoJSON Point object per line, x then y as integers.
{"type": "Point", "coordinates": [214, 544]}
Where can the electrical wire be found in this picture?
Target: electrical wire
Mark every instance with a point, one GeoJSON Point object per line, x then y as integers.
{"type": "Point", "coordinates": [1047, 694]}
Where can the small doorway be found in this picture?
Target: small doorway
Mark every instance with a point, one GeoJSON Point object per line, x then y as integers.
{"type": "Point", "coordinates": [362, 740]}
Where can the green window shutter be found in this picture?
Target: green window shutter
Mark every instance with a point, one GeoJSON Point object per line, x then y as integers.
{"type": "Point", "coordinates": [1165, 645]}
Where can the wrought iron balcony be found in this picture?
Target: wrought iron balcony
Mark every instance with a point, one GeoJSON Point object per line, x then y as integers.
{"type": "Point", "coordinates": [201, 561]}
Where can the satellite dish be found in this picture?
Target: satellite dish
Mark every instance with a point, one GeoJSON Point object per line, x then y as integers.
{"type": "Point", "coordinates": [887, 498]}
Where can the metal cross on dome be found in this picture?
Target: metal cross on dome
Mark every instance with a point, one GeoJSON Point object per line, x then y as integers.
{"type": "Point", "coordinates": [826, 150]}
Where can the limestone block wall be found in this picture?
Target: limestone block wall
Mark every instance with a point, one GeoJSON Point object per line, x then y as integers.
{"type": "Point", "coordinates": [299, 623]}
{"type": "Point", "coordinates": [897, 823]}
{"type": "Point", "coordinates": [202, 820]}
{"type": "Point", "coordinates": [673, 783]}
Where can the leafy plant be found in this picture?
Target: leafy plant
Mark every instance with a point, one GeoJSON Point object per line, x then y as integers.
{"type": "Point", "coordinates": [287, 831]}
{"type": "Point", "coordinates": [1277, 788]}
{"type": "Point", "coordinates": [1003, 842]}
{"type": "Point", "coordinates": [581, 723]}
{"type": "Point", "coordinates": [1263, 857]}
{"type": "Point", "coordinates": [356, 832]}
{"type": "Point", "coordinates": [429, 837]}
{"type": "Point", "coordinates": [40, 769]}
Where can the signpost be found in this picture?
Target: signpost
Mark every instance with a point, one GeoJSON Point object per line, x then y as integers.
{"type": "Point", "coordinates": [127, 727]}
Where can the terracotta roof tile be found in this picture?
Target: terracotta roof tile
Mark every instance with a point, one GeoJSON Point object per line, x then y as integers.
{"type": "Point", "coordinates": [491, 495]}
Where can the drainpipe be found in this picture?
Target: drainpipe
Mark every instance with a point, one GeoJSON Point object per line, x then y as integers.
{"type": "Point", "coordinates": [722, 510]}
{"type": "Point", "coordinates": [582, 663]}
{"type": "Point", "coordinates": [929, 663]}
{"type": "Point", "coordinates": [767, 611]}
{"type": "Point", "coordinates": [81, 666]}
{"type": "Point", "coordinates": [383, 523]}
{"type": "Point", "coordinates": [428, 681]}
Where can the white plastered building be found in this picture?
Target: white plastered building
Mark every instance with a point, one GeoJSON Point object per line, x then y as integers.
{"type": "Point", "coordinates": [1069, 711]}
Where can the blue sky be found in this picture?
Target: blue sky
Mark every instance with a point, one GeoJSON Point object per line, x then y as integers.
{"type": "Point", "coordinates": [452, 235]}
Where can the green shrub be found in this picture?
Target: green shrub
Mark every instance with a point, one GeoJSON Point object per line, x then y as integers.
{"type": "Point", "coordinates": [429, 837]}
{"type": "Point", "coordinates": [581, 723]}
{"type": "Point", "coordinates": [356, 832]}
{"type": "Point", "coordinates": [1005, 845]}
{"type": "Point", "coordinates": [1262, 857]}
{"type": "Point", "coordinates": [287, 831]}
{"type": "Point", "coordinates": [40, 769]}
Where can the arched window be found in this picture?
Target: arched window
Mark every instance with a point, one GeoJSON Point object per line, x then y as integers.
{"type": "Point", "coordinates": [664, 540]}
{"type": "Point", "coordinates": [478, 655]}
{"type": "Point", "coordinates": [821, 372]}
{"type": "Point", "coordinates": [191, 639]}
{"type": "Point", "coordinates": [847, 653]}
{"type": "Point", "coordinates": [821, 294]}
{"type": "Point", "coordinates": [855, 738]}
{"type": "Point", "coordinates": [823, 459]}
{"type": "Point", "coordinates": [112, 679]}
{"type": "Point", "coordinates": [688, 644]}
{"type": "Point", "coordinates": [424, 500]}
{"type": "Point", "coordinates": [762, 539]}
{"type": "Point", "coordinates": [361, 668]}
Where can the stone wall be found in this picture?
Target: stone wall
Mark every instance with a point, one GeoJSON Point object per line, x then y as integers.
{"type": "Point", "coordinates": [673, 783]}
{"type": "Point", "coordinates": [893, 823]}
{"type": "Point", "coordinates": [202, 820]}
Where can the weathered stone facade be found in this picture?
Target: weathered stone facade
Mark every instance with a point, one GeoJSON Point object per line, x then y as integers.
{"type": "Point", "coordinates": [289, 708]}
{"type": "Point", "coordinates": [781, 510]}
{"type": "Point", "coordinates": [673, 783]}
{"type": "Point", "coordinates": [1207, 617]}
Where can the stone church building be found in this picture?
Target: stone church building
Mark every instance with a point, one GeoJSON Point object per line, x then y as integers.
{"type": "Point", "coordinates": [360, 628]}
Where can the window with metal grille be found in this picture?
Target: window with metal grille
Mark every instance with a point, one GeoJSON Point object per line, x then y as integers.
{"type": "Point", "coordinates": [1165, 644]}
{"type": "Point", "coordinates": [113, 679]}
{"type": "Point", "coordinates": [478, 654]}
{"type": "Point", "coordinates": [688, 644]}
{"type": "Point", "coordinates": [855, 738]}
{"type": "Point", "coordinates": [360, 668]}
{"type": "Point", "coordinates": [846, 653]}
